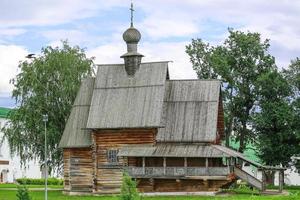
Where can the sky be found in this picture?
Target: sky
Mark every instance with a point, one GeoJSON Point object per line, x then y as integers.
{"type": "Point", "coordinates": [167, 26]}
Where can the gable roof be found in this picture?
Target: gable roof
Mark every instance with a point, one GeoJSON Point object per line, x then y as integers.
{"type": "Point", "coordinates": [190, 111]}
{"type": "Point", "coordinates": [75, 133]}
{"type": "Point", "coordinates": [121, 101]}
{"type": "Point", "coordinates": [184, 111]}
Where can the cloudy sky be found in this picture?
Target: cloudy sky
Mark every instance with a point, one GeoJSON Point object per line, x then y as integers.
{"type": "Point", "coordinates": [166, 27]}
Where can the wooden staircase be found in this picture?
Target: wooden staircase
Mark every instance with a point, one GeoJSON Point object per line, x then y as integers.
{"type": "Point", "coordinates": [251, 180]}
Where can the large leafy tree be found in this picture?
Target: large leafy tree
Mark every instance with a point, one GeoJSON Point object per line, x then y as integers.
{"type": "Point", "coordinates": [48, 85]}
{"type": "Point", "coordinates": [238, 62]}
{"type": "Point", "coordinates": [275, 122]}
{"type": "Point", "coordinates": [292, 74]}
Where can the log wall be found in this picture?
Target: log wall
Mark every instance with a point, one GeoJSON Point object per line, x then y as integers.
{"type": "Point", "coordinates": [184, 185]}
{"type": "Point", "coordinates": [78, 170]}
{"type": "Point", "coordinates": [108, 177]}
{"type": "Point", "coordinates": [220, 123]}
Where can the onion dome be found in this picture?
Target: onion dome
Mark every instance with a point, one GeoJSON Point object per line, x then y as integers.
{"type": "Point", "coordinates": [132, 59]}
{"type": "Point", "coordinates": [131, 35]}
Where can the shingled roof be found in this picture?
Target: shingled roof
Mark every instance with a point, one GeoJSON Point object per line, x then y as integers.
{"type": "Point", "coordinates": [75, 133]}
{"type": "Point", "coordinates": [190, 111]}
{"type": "Point", "coordinates": [173, 150]}
{"type": "Point", "coordinates": [122, 101]}
{"type": "Point", "coordinates": [184, 111]}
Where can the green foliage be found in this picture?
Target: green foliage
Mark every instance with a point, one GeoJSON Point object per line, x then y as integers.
{"type": "Point", "coordinates": [39, 181]}
{"type": "Point", "coordinates": [128, 189]}
{"type": "Point", "coordinates": [274, 123]}
{"type": "Point", "coordinates": [22, 193]}
{"type": "Point", "coordinates": [238, 62]}
{"type": "Point", "coordinates": [292, 74]}
{"type": "Point", "coordinates": [46, 84]}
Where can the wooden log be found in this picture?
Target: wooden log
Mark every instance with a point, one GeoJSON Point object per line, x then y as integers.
{"type": "Point", "coordinates": [109, 177]}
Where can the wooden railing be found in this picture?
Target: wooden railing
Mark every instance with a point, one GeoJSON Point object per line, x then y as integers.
{"type": "Point", "coordinates": [176, 171]}
{"type": "Point", "coordinates": [248, 178]}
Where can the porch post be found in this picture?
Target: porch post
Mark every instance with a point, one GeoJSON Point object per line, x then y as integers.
{"type": "Point", "coordinates": [206, 165]}
{"type": "Point", "coordinates": [185, 165]}
{"type": "Point", "coordinates": [144, 166]}
{"type": "Point", "coordinates": [281, 180]}
{"type": "Point", "coordinates": [263, 180]}
{"type": "Point", "coordinates": [165, 164]}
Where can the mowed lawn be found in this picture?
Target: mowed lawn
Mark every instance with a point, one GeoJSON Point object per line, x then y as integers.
{"type": "Point", "coordinates": [57, 195]}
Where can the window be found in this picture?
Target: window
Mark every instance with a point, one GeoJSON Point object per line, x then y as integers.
{"type": "Point", "coordinates": [112, 157]}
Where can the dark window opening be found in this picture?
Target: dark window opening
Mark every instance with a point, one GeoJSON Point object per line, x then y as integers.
{"type": "Point", "coordinates": [112, 157]}
{"type": "Point", "coordinates": [154, 162]}
{"type": "Point", "coordinates": [196, 162]}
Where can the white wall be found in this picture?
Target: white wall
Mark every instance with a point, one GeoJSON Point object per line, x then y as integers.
{"type": "Point", "coordinates": [290, 176]}
{"type": "Point", "coordinates": [32, 170]}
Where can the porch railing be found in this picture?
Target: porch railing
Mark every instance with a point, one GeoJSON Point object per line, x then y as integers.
{"type": "Point", "coordinates": [177, 171]}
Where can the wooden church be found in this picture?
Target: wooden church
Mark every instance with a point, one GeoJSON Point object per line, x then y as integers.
{"type": "Point", "coordinates": [164, 133]}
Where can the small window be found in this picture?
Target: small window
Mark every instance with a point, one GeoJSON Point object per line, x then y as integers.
{"type": "Point", "coordinates": [112, 157]}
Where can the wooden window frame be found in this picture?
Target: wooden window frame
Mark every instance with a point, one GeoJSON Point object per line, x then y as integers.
{"type": "Point", "coordinates": [112, 156]}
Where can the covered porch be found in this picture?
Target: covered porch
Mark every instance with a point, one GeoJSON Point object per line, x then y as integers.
{"type": "Point", "coordinates": [193, 162]}
{"type": "Point", "coordinates": [176, 161]}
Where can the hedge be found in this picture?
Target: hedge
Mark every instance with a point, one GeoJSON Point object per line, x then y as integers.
{"type": "Point", "coordinates": [39, 181]}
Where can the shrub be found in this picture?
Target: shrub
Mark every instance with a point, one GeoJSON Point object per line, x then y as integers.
{"type": "Point", "coordinates": [39, 181]}
{"type": "Point", "coordinates": [22, 193]}
{"type": "Point", "coordinates": [128, 189]}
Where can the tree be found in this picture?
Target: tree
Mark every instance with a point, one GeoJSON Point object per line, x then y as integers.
{"type": "Point", "coordinates": [274, 122]}
{"type": "Point", "coordinates": [23, 193]}
{"type": "Point", "coordinates": [292, 74]}
{"type": "Point", "coordinates": [45, 85]}
{"type": "Point", "coordinates": [128, 189]}
{"type": "Point", "coordinates": [238, 62]}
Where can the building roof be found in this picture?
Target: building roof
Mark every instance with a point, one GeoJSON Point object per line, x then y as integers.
{"type": "Point", "coordinates": [190, 111]}
{"type": "Point", "coordinates": [184, 111]}
{"type": "Point", "coordinates": [121, 101]}
{"type": "Point", "coordinates": [75, 133]}
{"type": "Point", "coordinates": [4, 112]}
{"type": "Point", "coordinates": [173, 150]}
{"type": "Point", "coordinates": [236, 154]}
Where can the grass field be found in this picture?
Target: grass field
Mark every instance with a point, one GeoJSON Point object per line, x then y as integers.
{"type": "Point", "coordinates": [7, 192]}
{"type": "Point", "coordinates": [57, 195]}
{"type": "Point", "coordinates": [4, 186]}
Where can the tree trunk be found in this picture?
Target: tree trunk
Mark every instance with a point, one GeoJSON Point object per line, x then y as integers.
{"type": "Point", "coordinates": [228, 132]}
{"type": "Point", "coordinates": [228, 129]}
{"type": "Point", "coordinates": [270, 176]}
{"type": "Point", "coordinates": [242, 138]}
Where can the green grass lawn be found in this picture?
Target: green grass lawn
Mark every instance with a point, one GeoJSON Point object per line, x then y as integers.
{"type": "Point", "coordinates": [11, 185]}
{"type": "Point", "coordinates": [57, 195]}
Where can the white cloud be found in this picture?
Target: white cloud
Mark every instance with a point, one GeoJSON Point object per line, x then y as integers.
{"type": "Point", "coordinates": [107, 54]}
{"type": "Point", "coordinates": [10, 55]}
{"type": "Point", "coordinates": [11, 31]}
{"type": "Point", "coordinates": [50, 12]}
{"type": "Point", "coordinates": [180, 67]}
{"type": "Point", "coordinates": [274, 19]}
{"type": "Point", "coordinates": [165, 28]}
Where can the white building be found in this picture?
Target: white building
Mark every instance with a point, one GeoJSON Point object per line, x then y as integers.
{"type": "Point", "coordinates": [10, 167]}
{"type": "Point", "coordinates": [291, 177]}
